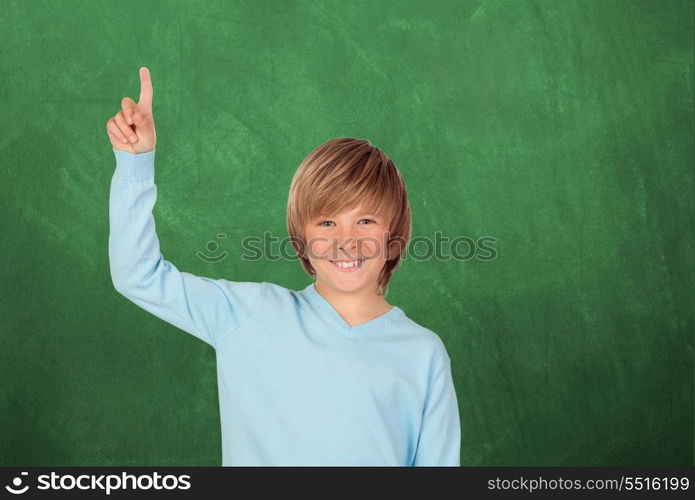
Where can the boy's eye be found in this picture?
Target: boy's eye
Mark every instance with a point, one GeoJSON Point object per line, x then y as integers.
{"type": "Point", "coordinates": [322, 223]}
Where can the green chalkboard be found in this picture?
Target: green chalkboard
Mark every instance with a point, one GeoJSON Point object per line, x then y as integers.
{"type": "Point", "coordinates": [556, 136]}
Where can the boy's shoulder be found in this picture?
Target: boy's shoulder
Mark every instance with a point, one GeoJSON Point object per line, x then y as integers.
{"type": "Point", "coordinates": [427, 338]}
{"type": "Point", "coordinates": [274, 291]}
{"type": "Point", "coordinates": [240, 292]}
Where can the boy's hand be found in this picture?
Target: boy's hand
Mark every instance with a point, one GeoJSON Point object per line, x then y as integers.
{"type": "Point", "coordinates": [132, 128]}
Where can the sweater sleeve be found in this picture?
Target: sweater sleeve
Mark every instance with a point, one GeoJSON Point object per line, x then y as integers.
{"type": "Point", "coordinates": [439, 442]}
{"type": "Point", "coordinates": [206, 308]}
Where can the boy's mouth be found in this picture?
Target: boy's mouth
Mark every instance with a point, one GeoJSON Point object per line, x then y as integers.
{"type": "Point", "coordinates": [348, 265]}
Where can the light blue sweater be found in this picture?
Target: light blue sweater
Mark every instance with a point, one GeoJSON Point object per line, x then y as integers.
{"type": "Point", "coordinates": [297, 384]}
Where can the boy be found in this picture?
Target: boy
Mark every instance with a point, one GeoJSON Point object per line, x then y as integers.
{"type": "Point", "coordinates": [328, 375]}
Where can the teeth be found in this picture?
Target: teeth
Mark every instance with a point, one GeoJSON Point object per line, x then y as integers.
{"type": "Point", "coordinates": [346, 264]}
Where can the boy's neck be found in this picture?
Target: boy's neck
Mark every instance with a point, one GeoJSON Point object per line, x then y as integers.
{"type": "Point", "coordinates": [355, 307]}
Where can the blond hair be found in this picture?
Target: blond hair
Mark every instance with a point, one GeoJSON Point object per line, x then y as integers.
{"type": "Point", "coordinates": [339, 175]}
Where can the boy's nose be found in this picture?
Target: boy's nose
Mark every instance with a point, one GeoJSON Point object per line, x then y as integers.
{"type": "Point", "coordinates": [345, 241]}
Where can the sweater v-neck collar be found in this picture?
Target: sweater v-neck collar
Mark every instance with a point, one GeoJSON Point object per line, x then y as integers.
{"type": "Point", "coordinates": [369, 327]}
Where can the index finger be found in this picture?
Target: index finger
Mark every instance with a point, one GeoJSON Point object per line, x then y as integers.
{"type": "Point", "coordinates": [145, 90]}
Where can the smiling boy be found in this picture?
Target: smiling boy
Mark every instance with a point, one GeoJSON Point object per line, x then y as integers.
{"type": "Point", "coordinates": [328, 375]}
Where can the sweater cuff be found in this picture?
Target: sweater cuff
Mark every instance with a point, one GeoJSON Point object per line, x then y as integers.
{"type": "Point", "coordinates": [133, 167]}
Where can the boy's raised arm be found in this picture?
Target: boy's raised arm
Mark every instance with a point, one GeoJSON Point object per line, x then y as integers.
{"type": "Point", "coordinates": [204, 307]}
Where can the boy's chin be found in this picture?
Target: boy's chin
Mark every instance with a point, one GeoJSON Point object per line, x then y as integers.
{"type": "Point", "coordinates": [347, 284]}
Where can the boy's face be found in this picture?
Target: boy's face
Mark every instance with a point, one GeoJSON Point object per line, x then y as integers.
{"type": "Point", "coordinates": [347, 236]}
